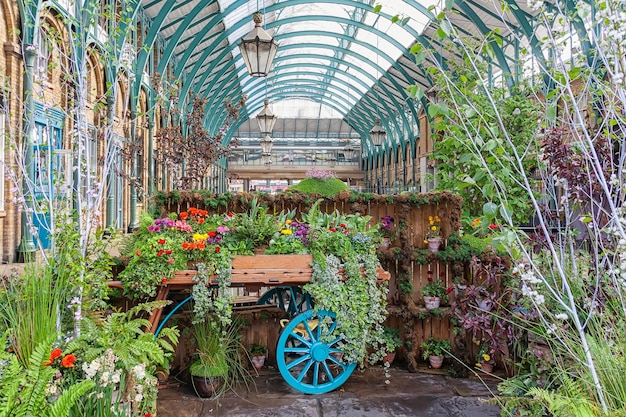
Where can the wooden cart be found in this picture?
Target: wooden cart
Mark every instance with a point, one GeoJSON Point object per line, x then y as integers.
{"type": "Point", "coordinates": [306, 359]}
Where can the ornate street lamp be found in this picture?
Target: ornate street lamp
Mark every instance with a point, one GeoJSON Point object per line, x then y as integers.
{"type": "Point", "coordinates": [258, 49]}
{"type": "Point", "coordinates": [378, 134]}
{"type": "Point", "coordinates": [266, 119]}
{"type": "Point", "coordinates": [266, 158]}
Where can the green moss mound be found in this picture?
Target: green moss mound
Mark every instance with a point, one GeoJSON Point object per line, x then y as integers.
{"type": "Point", "coordinates": [327, 188]}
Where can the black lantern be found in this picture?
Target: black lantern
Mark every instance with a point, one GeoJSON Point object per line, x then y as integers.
{"type": "Point", "coordinates": [258, 49]}
{"type": "Point", "coordinates": [378, 134]}
{"type": "Point", "coordinates": [266, 119]}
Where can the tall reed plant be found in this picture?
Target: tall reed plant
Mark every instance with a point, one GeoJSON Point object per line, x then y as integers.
{"type": "Point", "coordinates": [33, 308]}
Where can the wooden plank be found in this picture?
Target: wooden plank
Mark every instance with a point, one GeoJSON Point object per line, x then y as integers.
{"type": "Point", "coordinates": [271, 261]}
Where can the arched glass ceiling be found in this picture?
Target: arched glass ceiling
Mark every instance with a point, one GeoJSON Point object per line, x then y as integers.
{"type": "Point", "coordinates": [335, 54]}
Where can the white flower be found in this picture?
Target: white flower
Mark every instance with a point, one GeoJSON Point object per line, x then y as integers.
{"type": "Point", "coordinates": [561, 316]}
{"type": "Point", "coordinates": [139, 371]}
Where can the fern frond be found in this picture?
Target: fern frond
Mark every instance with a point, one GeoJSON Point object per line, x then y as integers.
{"type": "Point", "coordinates": [68, 398]}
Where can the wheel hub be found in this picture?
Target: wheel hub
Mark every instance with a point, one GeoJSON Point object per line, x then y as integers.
{"type": "Point", "coordinates": [319, 351]}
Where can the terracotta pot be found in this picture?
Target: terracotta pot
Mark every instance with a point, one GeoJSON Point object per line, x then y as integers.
{"type": "Point", "coordinates": [432, 302]}
{"type": "Point", "coordinates": [258, 361]}
{"type": "Point", "coordinates": [207, 387]}
{"type": "Point", "coordinates": [435, 361]}
{"type": "Point", "coordinates": [487, 367]}
{"type": "Point", "coordinates": [433, 244]}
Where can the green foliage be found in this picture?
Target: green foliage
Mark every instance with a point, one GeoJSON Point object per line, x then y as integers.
{"type": "Point", "coordinates": [435, 288]}
{"type": "Point", "coordinates": [391, 338]}
{"type": "Point", "coordinates": [257, 224]}
{"type": "Point", "coordinates": [257, 349]}
{"type": "Point", "coordinates": [23, 388]}
{"type": "Point", "coordinates": [327, 188]}
{"type": "Point", "coordinates": [125, 335]}
{"type": "Point", "coordinates": [29, 306]}
{"type": "Point", "coordinates": [435, 347]}
{"type": "Point", "coordinates": [473, 151]}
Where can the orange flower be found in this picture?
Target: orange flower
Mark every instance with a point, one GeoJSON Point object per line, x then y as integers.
{"type": "Point", "coordinates": [201, 245]}
{"type": "Point", "coordinates": [68, 361]}
{"type": "Point", "coordinates": [185, 245]}
{"type": "Point", "coordinates": [56, 353]}
{"type": "Point", "coordinates": [193, 211]}
{"type": "Point", "coordinates": [200, 221]}
{"type": "Point", "coordinates": [184, 215]}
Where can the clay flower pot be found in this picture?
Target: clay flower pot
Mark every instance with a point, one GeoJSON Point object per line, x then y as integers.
{"type": "Point", "coordinates": [432, 302]}
{"type": "Point", "coordinates": [434, 243]}
{"type": "Point", "coordinates": [435, 361]}
{"type": "Point", "coordinates": [207, 387]}
{"type": "Point", "coordinates": [487, 367]}
{"type": "Point", "coordinates": [258, 361]}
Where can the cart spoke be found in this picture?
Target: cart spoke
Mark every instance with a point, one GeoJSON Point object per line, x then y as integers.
{"type": "Point", "coordinates": [316, 373]}
{"type": "Point", "coordinates": [337, 361]}
{"type": "Point", "coordinates": [300, 338]}
{"type": "Point", "coordinates": [309, 331]}
{"type": "Point", "coordinates": [332, 342]}
{"type": "Point", "coordinates": [298, 361]}
{"type": "Point", "coordinates": [305, 370]}
{"type": "Point", "coordinates": [296, 350]}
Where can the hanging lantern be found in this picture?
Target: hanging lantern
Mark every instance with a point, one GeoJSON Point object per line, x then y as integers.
{"type": "Point", "coordinates": [258, 49]}
{"type": "Point", "coordinates": [378, 134]}
{"type": "Point", "coordinates": [349, 152]}
{"type": "Point", "coordinates": [266, 119]}
{"type": "Point", "coordinates": [266, 144]}
{"type": "Point", "coordinates": [266, 158]}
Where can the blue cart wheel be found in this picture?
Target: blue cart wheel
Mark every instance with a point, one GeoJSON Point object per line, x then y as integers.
{"type": "Point", "coordinates": [307, 360]}
{"type": "Point", "coordinates": [289, 299]}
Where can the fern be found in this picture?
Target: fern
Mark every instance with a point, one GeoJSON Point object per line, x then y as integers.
{"type": "Point", "coordinates": [570, 399]}
{"type": "Point", "coordinates": [312, 217]}
{"type": "Point", "coordinates": [69, 397]}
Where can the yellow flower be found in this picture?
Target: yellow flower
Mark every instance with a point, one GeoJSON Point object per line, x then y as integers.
{"type": "Point", "coordinates": [425, 241]}
{"type": "Point", "coordinates": [286, 231]}
{"type": "Point", "coordinates": [287, 221]}
{"type": "Point", "coordinates": [197, 237]}
{"type": "Point", "coordinates": [479, 365]}
{"type": "Point", "coordinates": [433, 228]}
{"type": "Point", "coordinates": [486, 357]}
{"type": "Point", "coordinates": [430, 218]}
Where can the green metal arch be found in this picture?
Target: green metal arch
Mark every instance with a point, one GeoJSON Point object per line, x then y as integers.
{"type": "Point", "coordinates": [313, 86]}
{"type": "Point", "coordinates": [219, 98]}
{"type": "Point", "coordinates": [280, 96]}
{"type": "Point", "coordinates": [257, 103]}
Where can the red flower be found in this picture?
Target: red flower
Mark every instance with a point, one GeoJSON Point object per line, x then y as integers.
{"type": "Point", "coordinates": [160, 253]}
{"type": "Point", "coordinates": [185, 245]}
{"type": "Point", "coordinates": [184, 215]}
{"type": "Point", "coordinates": [212, 234]}
{"type": "Point", "coordinates": [430, 279]}
{"type": "Point", "coordinates": [163, 280]}
{"type": "Point", "coordinates": [342, 225]}
{"type": "Point", "coordinates": [68, 361]}
{"type": "Point", "coordinates": [332, 229]}
{"type": "Point", "coordinates": [493, 226]}
{"type": "Point", "coordinates": [217, 249]}
{"type": "Point", "coordinates": [56, 353]}
{"type": "Point", "coordinates": [170, 261]}
{"type": "Point", "coordinates": [138, 252]}
{"type": "Point", "coordinates": [449, 290]}
{"type": "Point", "coordinates": [168, 252]}
{"type": "Point", "coordinates": [200, 221]}
{"type": "Point", "coordinates": [161, 241]}
{"type": "Point", "coordinates": [147, 415]}
{"type": "Point", "coordinates": [231, 214]}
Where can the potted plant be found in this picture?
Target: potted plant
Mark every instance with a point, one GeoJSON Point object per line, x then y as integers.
{"type": "Point", "coordinates": [435, 350]}
{"type": "Point", "coordinates": [209, 370]}
{"type": "Point", "coordinates": [484, 359]}
{"type": "Point", "coordinates": [391, 341]}
{"type": "Point", "coordinates": [257, 354]}
{"type": "Point", "coordinates": [387, 230]}
{"type": "Point", "coordinates": [434, 293]}
{"type": "Point", "coordinates": [433, 235]}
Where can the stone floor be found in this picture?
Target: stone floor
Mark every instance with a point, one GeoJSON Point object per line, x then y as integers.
{"type": "Point", "coordinates": [364, 395]}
